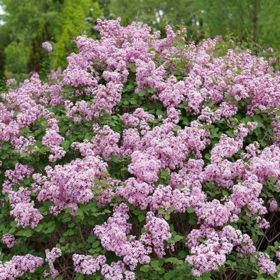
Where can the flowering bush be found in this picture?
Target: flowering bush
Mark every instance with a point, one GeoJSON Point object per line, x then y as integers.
{"type": "Point", "coordinates": [146, 158]}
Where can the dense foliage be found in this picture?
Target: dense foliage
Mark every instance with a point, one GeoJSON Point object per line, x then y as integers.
{"type": "Point", "coordinates": [146, 158]}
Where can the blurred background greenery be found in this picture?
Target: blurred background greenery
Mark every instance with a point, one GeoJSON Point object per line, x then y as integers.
{"type": "Point", "coordinates": [25, 24]}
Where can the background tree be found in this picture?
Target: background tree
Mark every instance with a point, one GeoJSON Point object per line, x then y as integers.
{"type": "Point", "coordinates": [77, 17]}
{"type": "Point", "coordinates": [28, 23]}
{"type": "Point", "coordinates": [248, 20]}
{"type": "Point", "coordinates": [153, 12]}
{"type": "Point", "coordinates": [253, 24]}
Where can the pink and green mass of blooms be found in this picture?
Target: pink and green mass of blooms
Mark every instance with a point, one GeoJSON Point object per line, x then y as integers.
{"type": "Point", "coordinates": [146, 158]}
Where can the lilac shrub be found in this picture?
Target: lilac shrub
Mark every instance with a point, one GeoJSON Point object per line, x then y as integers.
{"type": "Point", "coordinates": [146, 158]}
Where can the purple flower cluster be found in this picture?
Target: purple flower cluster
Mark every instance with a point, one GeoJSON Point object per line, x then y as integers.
{"type": "Point", "coordinates": [51, 256]}
{"type": "Point", "coordinates": [113, 236]}
{"type": "Point", "coordinates": [9, 240]}
{"type": "Point", "coordinates": [18, 266]}
{"type": "Point", "coordinates": [89, 265]}
{"type": "Point", "coordinates": [23, 209]}
{"type": "Point", "coordinates": [71, 184]}
{"type": "Point", "coordinates": [266, 265]}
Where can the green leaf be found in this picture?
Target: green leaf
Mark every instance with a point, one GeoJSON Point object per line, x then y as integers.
{"type": "Point", "coordinates": [155, 263]}
{"type": "Point", "coordinates": [25, 232]}
{"type": "Point", "coordinates": [141, 217]}
{"type": "Point", "coordinates": [145, 268]}
{"type": "Point", "coordinates": [79, 277]}
{"type": "Point", "coordinates": [206, 276]}
{"type": "Point", "coordinates": [190, 210]}
{"type": "Point", "coordinates": [174, 260]}
{"type": "Point", "coordinates": [178, 238]}
{"type": "Point", "coordinates": [80, 214]}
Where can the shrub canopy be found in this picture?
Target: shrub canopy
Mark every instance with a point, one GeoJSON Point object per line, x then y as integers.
{"type": "Point", "coordinates": [146, 158]}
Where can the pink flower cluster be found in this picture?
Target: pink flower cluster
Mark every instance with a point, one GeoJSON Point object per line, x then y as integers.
{"type": "Point", "coordinates": [70, 184]}
{"type": "Point", "coordinates": [158, 232]}
{"type": "Point", "coordinates": [9, 240]}
{"type": "Point", "coordinates": [266, 265]}
{"type": "Point", "coordinates": [89, 265]}
{"type": "Point", "coordinates": [113, 236]}
{"type": "Point", "coordinates": [51, 256]}
{"type": "Point", "coordinates": [52, 139]}
{"type": "Point", "coordinates": [19, 265]}
{"type": "Point", "coordinates": [23, 209]}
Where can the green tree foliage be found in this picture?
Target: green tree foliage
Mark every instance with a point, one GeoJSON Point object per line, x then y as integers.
{"type": "Point", "coordinates": [17, 57]}
{"type": "Point", "coordinates": [28, 23]}
{"type": "Point", "coordinates": [153, 12]}
{"type": "Point", "coordinates": [77, 17]}
{"type": "Point", "coordinates": [269, 26]}
{"type": "Point", "coordinates": [3, 43]}
{"type": "Point", "coordinates": [256, 21]}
